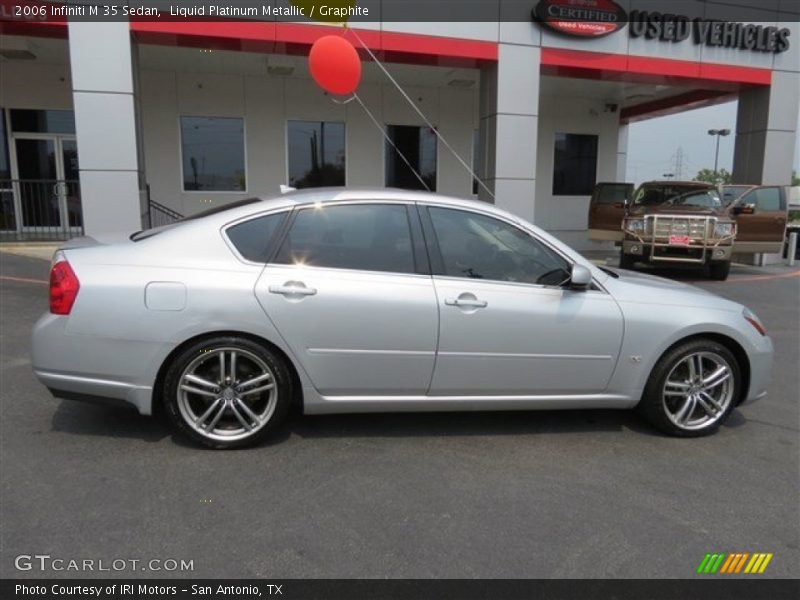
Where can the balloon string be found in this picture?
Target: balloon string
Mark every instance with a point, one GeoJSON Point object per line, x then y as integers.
{"type": "Point", "coordinates": [388, 138]}
{"type": "Point", "coordinates": [419, 112]}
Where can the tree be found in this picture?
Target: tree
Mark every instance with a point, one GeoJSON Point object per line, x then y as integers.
{"type": "Point", "coordinates": [708, 175]}
{"type": "Point", "coordinates": [795, 178]}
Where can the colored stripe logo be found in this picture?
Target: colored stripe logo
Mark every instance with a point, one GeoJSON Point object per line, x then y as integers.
{"type": "Point", "coordinates": [735, 562]}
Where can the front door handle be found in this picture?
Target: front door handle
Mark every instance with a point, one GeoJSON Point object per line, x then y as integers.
{"type": "Point", "coordinates": [292, 288]}
{"type": "Point", "coordinates": [466, 300]}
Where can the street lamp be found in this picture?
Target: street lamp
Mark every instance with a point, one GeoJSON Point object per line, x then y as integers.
{"type": "Point", "coordinates": [718, 133]}
{"type": "Point", "coordinates": [668, 175]}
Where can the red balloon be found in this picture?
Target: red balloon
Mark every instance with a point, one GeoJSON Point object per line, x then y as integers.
{"type": "Point", "coordinates": [335, 65]}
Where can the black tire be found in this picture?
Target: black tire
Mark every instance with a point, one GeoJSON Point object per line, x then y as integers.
{"type": "Point", "coordinates": [653, 405]}
{"type": "Point", "coordinates": [719, 270]}
{"type": "Point", "coordinates": [179, 405]}
{"type": "Point", "coordinates": [626, 261]}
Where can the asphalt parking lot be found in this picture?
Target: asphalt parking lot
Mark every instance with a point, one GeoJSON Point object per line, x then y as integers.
{"type": "Point", "coordinates": [539, 494]}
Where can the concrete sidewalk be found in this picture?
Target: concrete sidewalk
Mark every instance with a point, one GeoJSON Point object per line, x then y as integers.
{"type": "Point", "coordinates": [42, 250]}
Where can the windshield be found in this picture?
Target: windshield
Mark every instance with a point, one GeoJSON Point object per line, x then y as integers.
{"type": "Point", "coordinates": [650, 194]}
{"type": "Point", "coordinates": [701, 199]}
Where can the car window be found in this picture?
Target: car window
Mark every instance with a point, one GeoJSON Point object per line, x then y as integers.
{"type": "Point", "coordinates": [480, 247]}
{"type": "Point", "coordinates": [702, 199]}
{"type": "Point", "coordinates": [252, 238]}
{"type": "Point", "coordinates": [765, 199]}
{"type": "Point", "coordinates": [367, 237]}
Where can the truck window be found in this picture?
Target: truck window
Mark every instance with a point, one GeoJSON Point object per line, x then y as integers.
{"type": "Point", "coordinates": [766, 199]}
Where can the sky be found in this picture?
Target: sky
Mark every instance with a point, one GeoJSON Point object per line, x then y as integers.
{"type": "Point", "coordinates": [653, 145]}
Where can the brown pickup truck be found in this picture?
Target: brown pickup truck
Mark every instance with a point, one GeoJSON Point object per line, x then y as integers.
{"type": "Point", "coordinates": [688, 222]}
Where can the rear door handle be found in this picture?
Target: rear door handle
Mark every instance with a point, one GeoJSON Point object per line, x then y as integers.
{"type": "Point", "coordinates": [466, 300]}
{"type": "Point", "coordinates": [292, 288]}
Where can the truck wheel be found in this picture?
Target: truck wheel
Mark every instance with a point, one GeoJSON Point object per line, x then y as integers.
{"type": "Point", "coordinates": [719, 270]}
{"type": "Point", "coordinates": [626, 261]}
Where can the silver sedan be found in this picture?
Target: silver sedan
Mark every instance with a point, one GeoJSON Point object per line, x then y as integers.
{"type": "Point", "coordinates": [376, 300]}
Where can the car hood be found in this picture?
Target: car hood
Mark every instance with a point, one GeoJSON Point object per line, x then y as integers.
{"type": "Point", "coordinates": [632, 286]}
{"type": "Point", "coordinates": [663, 209]}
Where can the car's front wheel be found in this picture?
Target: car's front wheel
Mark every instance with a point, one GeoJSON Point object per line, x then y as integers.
{"type": "Point", "coordinates": [692, 389]}
{"type": "Point", "coordinates": [226, 392]}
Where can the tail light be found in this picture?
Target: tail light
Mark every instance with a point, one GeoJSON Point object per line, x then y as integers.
{"type": "Point", "coordinates": [64, 286]}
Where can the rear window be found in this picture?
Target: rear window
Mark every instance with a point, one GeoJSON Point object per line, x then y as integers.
{"type": "Point", "coordinates": [146, 233]}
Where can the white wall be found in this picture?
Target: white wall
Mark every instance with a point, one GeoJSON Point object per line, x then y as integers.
{"type": "Point", "coordinates": [566, 217]}
{"type": "Point", "coordinates": [266, 103]}
{"type": "Point", "coordinates": [31, 84]}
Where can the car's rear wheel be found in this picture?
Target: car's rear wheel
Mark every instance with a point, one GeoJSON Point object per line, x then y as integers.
{"type": "Point", "coordinates": [227, 392]}
{"type": "Point", "coordinates": [692, 389]}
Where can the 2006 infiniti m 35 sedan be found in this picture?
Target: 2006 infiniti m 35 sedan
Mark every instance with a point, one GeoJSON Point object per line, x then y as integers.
{"type": "Point", "coordinates": [376, 300]}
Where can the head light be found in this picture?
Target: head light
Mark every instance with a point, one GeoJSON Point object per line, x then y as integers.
{"type": "Point", "coordinates": [635, 225]}
{"type": "Point", "coordinates": [724, 230]}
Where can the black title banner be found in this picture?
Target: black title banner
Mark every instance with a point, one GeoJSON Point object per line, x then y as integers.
{"type": "Point", "coordinates": [389, 589]}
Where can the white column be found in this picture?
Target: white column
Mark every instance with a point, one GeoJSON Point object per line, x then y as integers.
{"type": "Point", "coordinates": [509, 109]}
{"type": "Point", "coordinates": [105, 121]}
{"type": "Point", "coordinates": [622, 153]}
{"type": "Point", "coordinates": [766, 131]}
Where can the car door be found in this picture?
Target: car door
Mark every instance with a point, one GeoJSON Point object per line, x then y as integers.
{"type": "Point", "coordinates": [349, 290]}
{"type": "Point", "coordinates": [607, 210]}
{"type": "Point", "coordinates": [507, 326]}
{"type": "Point", "coordinates": [760, 220]}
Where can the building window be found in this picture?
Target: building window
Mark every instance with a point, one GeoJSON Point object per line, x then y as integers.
{"type": "Point", "coordinates": [418, 145]}
{"type": "Point", "coordinates": [316, 154]}
{"type": "Point", "coordinates": [42, 121]}
{"type": "Point", "coordinates": [213, 154]}
{"type": "Point", "coordinates": [575, 170]}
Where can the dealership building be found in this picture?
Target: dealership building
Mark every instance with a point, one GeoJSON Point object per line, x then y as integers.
{"type": "Point", "coordinates": [109, 125]}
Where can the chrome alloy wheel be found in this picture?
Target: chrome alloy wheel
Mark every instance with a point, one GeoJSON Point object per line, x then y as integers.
{"type": "Point", "coordinates": [698, 390]}
{"type": "Point", "coordinates": [227, 394]}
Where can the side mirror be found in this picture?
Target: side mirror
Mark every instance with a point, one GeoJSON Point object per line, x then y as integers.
{"type": "Point", "coordinates": [581, 277]}
{"type": "Point", "coordinates": [744, 209]}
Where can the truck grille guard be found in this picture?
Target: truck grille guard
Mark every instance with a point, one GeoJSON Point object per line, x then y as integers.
{"type": "Point", "coordinates": [700, 230]}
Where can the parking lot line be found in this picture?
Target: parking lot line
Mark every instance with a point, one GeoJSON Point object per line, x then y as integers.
{"type": "Point", "coordinates": [24, 279]}
{"type": "Point", "coordinates": [764, 277]}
